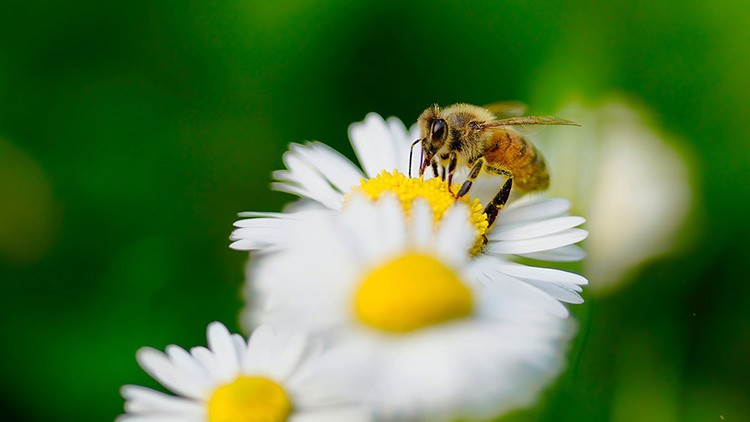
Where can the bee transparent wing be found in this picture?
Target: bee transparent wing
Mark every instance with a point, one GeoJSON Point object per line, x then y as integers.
{"type": "Point", "coordinates": [532, 120]}
{"type": "Point", "coordinates": [502, 109]}
{"type": "Point", "coordinates": [530, 125]}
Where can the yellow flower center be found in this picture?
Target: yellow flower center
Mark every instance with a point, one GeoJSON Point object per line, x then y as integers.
{"type": "Point", "coordinates": [411, 292]}
{"type": "Point", "coordinates": [249, 399]}
{"type": "Point", "coordinates": [435, 191]}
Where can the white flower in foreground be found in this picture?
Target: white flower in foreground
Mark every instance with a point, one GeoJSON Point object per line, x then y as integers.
{"type": "Point", "coordinates": [418, 329]}
{"type": "Point", "coordinates": [531, 227]}
{"type": "Point", "coordinates": [269, 378]}
{"type": "Point", "coordinates": [629, 180]}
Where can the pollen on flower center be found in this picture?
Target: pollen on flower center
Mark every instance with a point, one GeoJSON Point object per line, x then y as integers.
{"type": "Point", "coordinates": [411, 292]}
{"type": "Point", "coordinates": [435, 191]}
{"type": "Point", "coordinates": [249, 399]}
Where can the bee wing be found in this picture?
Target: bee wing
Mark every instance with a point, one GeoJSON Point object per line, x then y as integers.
{"type": "Point", "coordinates": [523, 123]}
{"type": "Point", "coordinates": [532, 120]}
{"type": "Point", "coordinates": [506, 108]}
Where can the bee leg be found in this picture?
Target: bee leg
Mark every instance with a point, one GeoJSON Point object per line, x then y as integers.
{"type": "Point", "coordinates": [499, 201]}
{"type": "Point", "coordinates": [451, 168]}
{"type": "Point", "coordinates": [434, 168]}
{"type": "Point", "coordinates": [475, 170]}
{"type": "Point", "coordinates": [442, 173]}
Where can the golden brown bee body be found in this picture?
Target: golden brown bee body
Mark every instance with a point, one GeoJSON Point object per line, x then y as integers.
{"type": "Point", "coordinates": [473, 136]}
{"type": "Point", "coordinates": [507, 150]}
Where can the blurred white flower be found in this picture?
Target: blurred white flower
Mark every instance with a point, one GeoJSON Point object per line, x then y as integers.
{"type": "Point", "coordinates": [627, 178]}
{"type": "Point", "coordinates": [418, 329]}
{"type": "Point", "coordinates": [531, 227]}
{"type": "Point", "coordinates": [271, 377]}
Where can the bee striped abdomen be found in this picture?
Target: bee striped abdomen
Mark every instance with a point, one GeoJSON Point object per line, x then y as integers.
{"type": "Point", "coordinates": [510, 151]}
{"type": "Point", "coordinates": [537, 173]}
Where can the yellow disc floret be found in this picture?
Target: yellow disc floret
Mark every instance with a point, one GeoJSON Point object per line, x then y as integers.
{"type": "Point", "coordinates": [249, 399]}
{"type": "Point", "coordinates": [435, 191]}
{"type": "Point", "coordinates": [411, 292]}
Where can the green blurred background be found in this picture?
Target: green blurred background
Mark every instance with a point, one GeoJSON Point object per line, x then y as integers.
{"type": "Point", "coordinates": [131, 133]}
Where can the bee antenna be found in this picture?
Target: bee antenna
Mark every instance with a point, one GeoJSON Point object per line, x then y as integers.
{"type": "Point", "coordinates": [411, 152]}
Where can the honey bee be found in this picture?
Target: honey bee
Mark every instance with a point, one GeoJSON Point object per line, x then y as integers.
{"type": "Point", "coordinates": [473, 136]}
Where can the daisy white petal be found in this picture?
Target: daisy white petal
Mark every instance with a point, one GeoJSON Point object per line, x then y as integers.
{"type": "Point", "coordinates": [184, 362]}
{"type": "Point", "coordinates": [372, 141]}
{"type": "Point", "coordinates": [239, 344]}
{"type": "Point", "coordinates": [568, 293]}
{"type": "Point", "coordinates": [208, 360]}
{"type": "Point", "coordinates": [269, 231]}
{"type": "Point", "coordinates": [526, 246]}
{"type": "Point", "coordinates": [455, 234]}
{"type": "Point", "coordinates": [288, 358]}
{"type": "Point", "coordinates": [159, 366]}
{"type": "Point", "coordinates": [259, 350]}
{"type": "Point", "coordinates": [370, 233]}
{"type": "Point", "coordinates": [536, 209]}
{"type": "Point", "coordinates": [141, 399]}
{"type": "Point", "coordinates": [221, 343]}
{"type": "Point", "coordinates": [421, 223]}
{"type": "Point", "coordinates": [402, 141]}
{"type": "Point", "coordinates": [307, 367]}
{"type": "Point", "coordinates": [539, 228]}
{"type": "Point", "coordinates": [542, 274]}
{"type": "Point", "coordinates": [341, 173]}
{"type": "Point", "coordinates": [260, 230]}
{"type": "Point", "coordinates": [569, 253]}
{"type": "Point", "coordinates": [320, 193]}
{"type": "Point", "coordinates": [317, 173]}
{"type": "Point", "coordinates": [497, 281]}
{"type": "Point", "coordinates": [395, 234]}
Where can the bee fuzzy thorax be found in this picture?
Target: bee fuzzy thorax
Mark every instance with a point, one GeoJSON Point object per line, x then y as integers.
{"type": "Point", "coordinates": [469, 110]}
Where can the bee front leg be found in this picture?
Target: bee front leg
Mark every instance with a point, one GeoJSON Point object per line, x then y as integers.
{"type": "Point", "coordinates": [434, 167]}
{"type": "Point", "coordinates": [499, 201]}
{"type": "Point", "coordinates": [452, 168]}
{"type": "Point", "coordinates": [473, 174]}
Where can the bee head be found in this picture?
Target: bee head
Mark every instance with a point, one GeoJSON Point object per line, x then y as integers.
{"type": "Point", "coordinates": [433, 140]}
{"type": "Point", "coordinates": [433, 133]}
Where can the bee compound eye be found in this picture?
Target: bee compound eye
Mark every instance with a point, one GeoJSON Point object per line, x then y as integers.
{"type": "Point", "coordinates": [438, 130]}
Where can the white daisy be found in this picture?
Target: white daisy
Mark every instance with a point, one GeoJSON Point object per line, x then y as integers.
{"type": "Point", "coordinates": [531, 227]}
{"type": "Point", "coordinates": [270, 378]}
{"type": "Point", "coordinates": [419, 329]}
